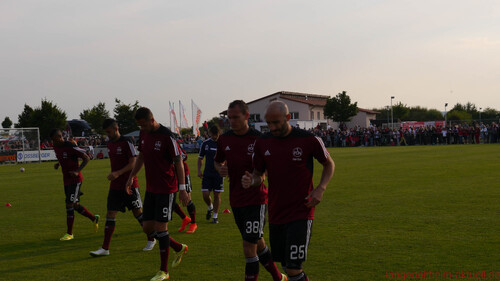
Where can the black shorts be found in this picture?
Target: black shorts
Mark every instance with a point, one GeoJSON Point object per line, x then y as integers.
{"type": "Point", "coordinates": [250, 221]}
{"type": "Point", "coordinates": [158, 207]}
{"type": "Point", "coordinates": [73, 193]}
{"type": "Point", "coordinates": [119, 199]}
{"type": "Point", "coordinates": [212, 183]}
{"type": "Point", "coordinates": [289, 242]}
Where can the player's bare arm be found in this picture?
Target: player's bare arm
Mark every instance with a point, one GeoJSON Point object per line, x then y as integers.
{"type": "Point", "coordinates": [200, 164]}
{"type": "Point", "coordinates": [314, 198]}
{"type": "Point", "coordinates": [255, 179]}
{"type": "Point", "coordinates": [179, 168]}
{"type": "Point", "coordinates": [114, 175]}
{"type": "Point", "coordinates": [85, 161]}
{"type": "Point", "coordinates": [137, 167]}
{"type": "Point", "coordinates": [221, 168]}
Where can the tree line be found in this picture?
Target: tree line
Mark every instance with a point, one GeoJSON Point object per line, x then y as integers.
{"type": "Point", "coordinates": [341, 109]}
{"type": "Point", "coordinates": [48, 116]}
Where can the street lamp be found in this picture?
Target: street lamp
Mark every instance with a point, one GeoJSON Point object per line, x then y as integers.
{"type": "Point", "coordinates": [480, 114]}
{"type": "Point", "coordinates": [445, 115]}
{"type": "Point", "coordinates": [387, 107]}
{"type": "Point", "coordinates": [392, 115]}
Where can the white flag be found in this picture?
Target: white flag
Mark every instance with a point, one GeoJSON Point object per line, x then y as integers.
{"type": "Point", "coordinates": [197, 118]}
{"type": "Point", "coordinates": [184, 121]}
{"type": "Point", "coordinates": [175, 128]}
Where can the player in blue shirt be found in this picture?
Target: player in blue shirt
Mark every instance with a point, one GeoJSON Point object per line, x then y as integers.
{"type": "Point", "coordinates": [211, 180]}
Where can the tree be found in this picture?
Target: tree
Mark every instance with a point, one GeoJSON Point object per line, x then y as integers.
{"type": "Point", "coordinates": [124, 116]}
{"type": "Point", "coordinates": [24, 119]}
{"type": "Point", "coordinates": [95, 116]}
{"type": "Point", "coordinates": [46, 117]}
{"type": "Point", "coordinates": [469, 107]}
{"type": "Point", "coordinates": [400, 111]}
{"type": "Point", "coordinates": [490, 114]}
{"type": "Point", "coordinates": [7, 123]}
{"type": "Point", "coordinates": [339, 108]}
{"type": "Point", "coordinates": [459, 115]}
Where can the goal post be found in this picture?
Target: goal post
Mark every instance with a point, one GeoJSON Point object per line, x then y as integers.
{"type": "Point", "coordinates": [21, 145]}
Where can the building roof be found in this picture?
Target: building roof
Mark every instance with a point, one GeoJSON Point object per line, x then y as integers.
{"type": "Point", "coordinates": [300, 97]}
{"type": "Point", "coordinates": [368, 111]}
{"type": "Point", "coordinates": [313, 102]}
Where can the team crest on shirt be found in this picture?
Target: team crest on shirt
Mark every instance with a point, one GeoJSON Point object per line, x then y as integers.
{"type": "Point", "coordinates": [119, 150]}
{"type": "Point", "coordinates": [227, 148]}
{"type": "Point", "coordinates": [250, 149]}
{"type": "Point", "coordinates": [267, 153]}
{"type": "Point", "coordinates": [297, 153]}
{"type": "Point", "coordinates": [158, 145]}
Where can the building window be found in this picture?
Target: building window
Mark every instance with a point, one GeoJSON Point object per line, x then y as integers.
{"type": "Point", "coordinates": [319, 116]}
{"type": "Point", "coordinates": [312, 115]}
{"type": "Point", "coordinates": [254, 117]}
{"type": "Point", "coordinates": [294, 115]}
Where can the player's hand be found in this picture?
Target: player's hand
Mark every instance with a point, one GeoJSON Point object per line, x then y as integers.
{"type": "Point", "coordinates": [74, 173]}
{"type": "Point", "coordinates": [113, 176]}
{"type": "Point", "coordinates": [56, 166]}
{"type": "Point", "coordinates": [223, 171]}
{"type": "Point", "coordinates": [183, 196]}
{"type": "Point", "coordinates": [128, 186]}
{"type": "Point", "coordinates": [246, 180]}
{"type": "Point", "coordinates": [314, 198]}
{"type": "Point", "coordinates": [128, 189]}
{"type": "Point", "coordinates": [200, 174]}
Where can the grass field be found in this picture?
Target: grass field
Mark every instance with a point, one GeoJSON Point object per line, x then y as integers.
{"type": "Point", "coordinates": [391, 209]}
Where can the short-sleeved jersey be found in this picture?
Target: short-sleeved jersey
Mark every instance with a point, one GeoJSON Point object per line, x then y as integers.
{"type": "Point", "coordinates": [159, 149]}
{"type": "Point", "coordinates": [289, 163]}
{"type": "Point", "coordinates": [67, 154]}
{"type": "Point", "coordinates": [208, 150]}
{"type": "Point", "coordinates": [120, 152]}
{"type": "Point", "coordinates": [237, 151]}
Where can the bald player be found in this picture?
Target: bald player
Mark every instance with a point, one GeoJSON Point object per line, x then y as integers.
{"type": "Point", "coordinates": [287, 153]}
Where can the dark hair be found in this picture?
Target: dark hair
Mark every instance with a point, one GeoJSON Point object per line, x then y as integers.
{"type": "Point", "coordinates": [53, 132]}
{"type": "Point", "coordinates": [143, 113]}
{"type": "Point", "coordinates": [241, 104]}
{"type": "Point", "coordinates": [109, 123]}
{"type": "Point", "coordinates": [214, 130]}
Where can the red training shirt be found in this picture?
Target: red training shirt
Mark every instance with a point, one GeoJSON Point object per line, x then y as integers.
{"type": "Point", "coordinates": [159, 149]}
{"type": "Point", "coordinates": [67, 154]}
{"type": "Point", "coordinates": [120, 152]}
{"type": "Point", "coordinates": [237, 151]}
{"type": "Point", "coordinates": [289, 165]}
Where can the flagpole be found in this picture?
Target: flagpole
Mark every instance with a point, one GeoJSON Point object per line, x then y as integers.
{"type": "Point", "coordinates": [192, 114]}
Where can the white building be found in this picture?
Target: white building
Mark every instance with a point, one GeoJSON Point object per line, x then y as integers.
{"type": "Point", "coordinates": [306, 111]}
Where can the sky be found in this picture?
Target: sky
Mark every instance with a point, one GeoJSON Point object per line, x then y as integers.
{"type": "Point", "coordinates": [78, 53]}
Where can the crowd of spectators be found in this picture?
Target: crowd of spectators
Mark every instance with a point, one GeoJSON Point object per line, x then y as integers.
{"type": "Point", "coordinates": [426, 135]}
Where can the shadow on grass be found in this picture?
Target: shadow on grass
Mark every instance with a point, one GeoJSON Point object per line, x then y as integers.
{"type": "Point", "coordinates": [46, 247]}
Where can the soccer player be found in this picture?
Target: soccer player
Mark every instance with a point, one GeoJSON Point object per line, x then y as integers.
{"type": "Point", "coordinates": [67, 155]}
{"type": "Point", "coordinates": [211, 180]}
{"type": "Point", "coordinates": [287, 154]}
{"type": "Point", "coordinates": [233, 158]}
{"type": "Point", "coordinates": [161, 157]}
{"type": "Point", "coordinates": [122, 156]}
{"type": "Point", "coordinates": [191, 220]}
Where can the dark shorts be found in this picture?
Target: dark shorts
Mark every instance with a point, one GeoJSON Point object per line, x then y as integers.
{"type": "Point", "coordinates": [73, 193]}
{"type": "Point", "coordinates": [119, 199]}
{"type": "Point", "coordinates": [212, 183]}
{"type": "Point", "coordinates": [250, 221]}
{"type": "Point", "coordinates": [158, 207]}
{"type": "Point", "coordinates": [289, 242]}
